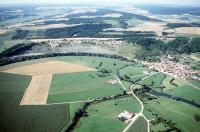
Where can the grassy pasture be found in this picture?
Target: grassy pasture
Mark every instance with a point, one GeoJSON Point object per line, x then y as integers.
{"type": "Point", "coordinates": [114, 23]}
{"type": "Point", "coordinates": [134, 70]}
{"type": "Point", "coordinates": [154, 81]}
{"type": "Point", "coordinates": [101, 115]}
{"type": "Point", "coordinates": [140, 125]}
{"type": "Point", "coordinates": [182, 89]}
{"type": "Point", "coordinates": [27, 118]}
{"type": "Point", "coordinates": [180, 113]}
{"type": "Point", "coordinates": [133, 22]}
{"type": "Point", "coordinates": [195, 83]}
{"type": "Point", "coordinates": [81, 86]}
{"type": "Point", "coordinates": [186, 92]}
{"type": "Point", "coordinates": [94, 62]}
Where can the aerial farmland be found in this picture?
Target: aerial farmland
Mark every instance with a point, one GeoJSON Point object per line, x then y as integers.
{"type": "Point", "coordinates": [96, 67]}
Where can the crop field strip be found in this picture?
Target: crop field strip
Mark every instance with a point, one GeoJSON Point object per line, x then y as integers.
{"type": "Point", "coordinates": [37, 91]}
{"type": "Point", "coordinates": [138, 125]}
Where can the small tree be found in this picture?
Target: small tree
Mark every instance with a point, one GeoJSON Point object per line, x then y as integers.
{"type": "Point", "coordinates": [197, 117]}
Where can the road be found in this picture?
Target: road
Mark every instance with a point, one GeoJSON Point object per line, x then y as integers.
{"type": "Point", "coordinates": [142, 107]}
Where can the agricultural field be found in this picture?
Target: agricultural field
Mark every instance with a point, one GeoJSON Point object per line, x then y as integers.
{"type": "Point", "coordinates": [81, 87]}
{"type": "Point", "coordinates": [154, 80]}
{"type": "Point", "coordinates": [63, 112]}
{"type": "Point", "coordinates": [186, 92]}
{"type": "Point", "coordinates": [180, 114]}
{"type": "Point", "coordinates": [76, 67]}
{"type": "Point", "coordinates": [65, 87]}
{"type": "Point", "coordinates": [139, 125]}
{"type": "Point", "coordinates": [134, 70]}
{"type": "Point", "coordinates": [16, 117]}
{"type": "Point", "coordinates": [99, 115]}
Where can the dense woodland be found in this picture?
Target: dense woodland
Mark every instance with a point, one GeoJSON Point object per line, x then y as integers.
{"type": "Point", "coordinates": [177, 25]}
{"type": "Point", "coordinates": [153, 49]}
{"type": "Point", "coordinates": [20, 34]}
{"type": "Point", "coordinates": [87, 30]}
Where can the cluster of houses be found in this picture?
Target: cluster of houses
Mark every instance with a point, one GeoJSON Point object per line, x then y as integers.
{"type": "Point", "coordinates": [125, 116]}
{"type": "Point", "coordinates": [174, 69]}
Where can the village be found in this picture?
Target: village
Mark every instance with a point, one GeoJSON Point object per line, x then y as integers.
{"type": "Point", "coordinates": [174, 69]}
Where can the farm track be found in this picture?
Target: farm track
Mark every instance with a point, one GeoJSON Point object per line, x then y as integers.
{"type": "Point", "coordinates": [142, 105]}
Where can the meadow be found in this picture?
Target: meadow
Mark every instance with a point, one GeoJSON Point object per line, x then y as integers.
{"type": "Point", "coordinates": [179, 113]}
{"type": "Point", "coordinates": [134, 70]}
{"type": "Point", "coordinates": [155, 80]}
{"type": "Point", "coordinates": [82, 86]}
{"type": "Point", "coordinates": [101, 115]}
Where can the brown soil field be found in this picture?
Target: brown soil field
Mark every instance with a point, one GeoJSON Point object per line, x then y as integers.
{"type": "Point", "coordinates": [50, 67]}
{"type": "Point", "coordinates": [37, 91]}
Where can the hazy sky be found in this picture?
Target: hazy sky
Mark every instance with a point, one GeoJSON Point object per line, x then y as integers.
{"type": "Point", "coordinates": [194, 2]}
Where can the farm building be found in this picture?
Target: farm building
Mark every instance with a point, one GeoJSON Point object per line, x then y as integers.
{"type": "Point", "coordinates": [113, 81]}
{"type": "Point", "coordinates": [124, 116]}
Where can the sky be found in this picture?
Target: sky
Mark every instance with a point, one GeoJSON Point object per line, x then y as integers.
{"type": "Point", "coordinates": [177, 2]}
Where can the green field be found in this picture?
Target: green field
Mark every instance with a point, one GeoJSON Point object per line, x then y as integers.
{"type": "Point", "coordinates": [101, 115]}
{"type": "Point", "coordinates": [27, 118]}
{"type": "Point", "coordinates": [155, 81]}
{"type": "Point", "coordinates": [134, 70]}
{"type": "Point", "coordinates": [140, 125]}
{"type": "Point", "coordinates": [179, 113]}
{"type": "Point", "coordinates": [182, 89]}
{"type": "Point", "coordinates": [186, 92]}
{"type": "Point", "coordinates": [114, 23]}
{"type": "Point", "coordinates": [133, 22]}
{"type": "Point", "coordinates": [81, 87]}
{"type": "Point", "coordinates": [94, 62]}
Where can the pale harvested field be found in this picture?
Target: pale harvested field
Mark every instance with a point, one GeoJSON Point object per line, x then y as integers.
{"type": "Point", "coordinates": [145, 27]}
{"type": "Point", "coordinates": [47, 26]}
{"type": "Point", "coordinates": [188, 30]}
{"type": "Point", "coordinates": [45, 68]}
{"type": "Point", "coordinates": [2, 31]}
{"type": "Point", "coordinates": [37, 91]}
{"type": "Point", "coordinates": [195, 58]}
